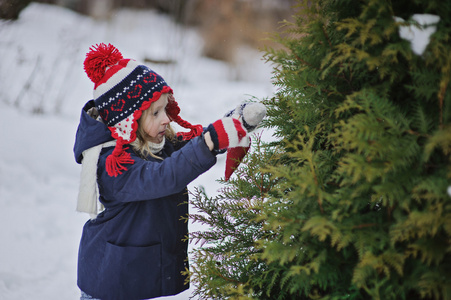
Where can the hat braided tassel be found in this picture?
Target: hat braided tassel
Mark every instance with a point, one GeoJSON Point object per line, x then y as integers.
{"type": "Point", "coordinates": [195, 130]}
{"type": "Point", "coordinates": [173, 110]}
{"type": "Point", "coordinates": [115, 161]}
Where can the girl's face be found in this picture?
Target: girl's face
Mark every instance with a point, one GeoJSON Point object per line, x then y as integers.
{"type": "Point", "coordinates": [155, 120]}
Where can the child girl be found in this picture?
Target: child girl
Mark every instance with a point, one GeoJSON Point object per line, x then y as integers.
{"type": "Point", "coordinates": [135, 248]}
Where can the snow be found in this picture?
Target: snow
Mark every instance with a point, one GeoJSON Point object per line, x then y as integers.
{"type": "Point", "coordinates": [43, 88]}
{"type": "Point", "coordinates": [419, 33]}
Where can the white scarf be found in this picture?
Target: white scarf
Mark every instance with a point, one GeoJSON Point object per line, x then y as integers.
{"type": "Point", "coordinates": [88, 190]}
{"type": "Point", "coordinates": [155, 148]}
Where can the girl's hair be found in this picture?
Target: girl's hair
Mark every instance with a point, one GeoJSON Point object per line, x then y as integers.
{"type": "Point", "coordinates": [141, 144]}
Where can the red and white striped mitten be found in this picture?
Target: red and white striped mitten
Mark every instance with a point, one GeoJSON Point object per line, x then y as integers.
{"type": "Point", "coordinates": [250, 114]}
{"type": "Point", "coordinates": [228, 133]}
{"type": "Point", "coordinates": [232, 133]}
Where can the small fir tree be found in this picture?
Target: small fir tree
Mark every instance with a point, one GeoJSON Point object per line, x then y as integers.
{"type": "Point", "coordinates": [351, 200]}
{"type": "Point", "coordinates": [226, 262]}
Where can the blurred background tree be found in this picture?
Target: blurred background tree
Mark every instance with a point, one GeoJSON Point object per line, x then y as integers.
{"type": "Point", "coordinates": [231, 31]}
{"type": "Point", "coordinates": [10, 9]}
{"type": "Point", "coordinates": [225, 25]}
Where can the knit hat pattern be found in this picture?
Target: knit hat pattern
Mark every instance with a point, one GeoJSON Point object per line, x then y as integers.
{"type": "Point", "coordinates": [121, 100]}
{"type": "Point", "coordinates": [123, 89]}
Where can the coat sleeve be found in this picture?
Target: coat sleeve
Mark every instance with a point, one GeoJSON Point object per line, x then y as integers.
{"type": "Point", "coordinates": [147, 180]}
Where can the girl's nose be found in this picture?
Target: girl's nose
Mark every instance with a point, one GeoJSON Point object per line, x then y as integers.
{"type": "Point", "coordinates": [166, 119]}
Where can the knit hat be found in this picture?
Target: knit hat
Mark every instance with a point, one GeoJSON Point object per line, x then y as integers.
{"type": "Point", "coordinates": [123, 89]}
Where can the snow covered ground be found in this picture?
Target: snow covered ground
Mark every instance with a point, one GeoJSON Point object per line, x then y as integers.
{"type": "Point", "coordinates": [41, 57]}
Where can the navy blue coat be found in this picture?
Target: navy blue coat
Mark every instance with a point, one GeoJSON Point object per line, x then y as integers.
{"type": "Point", "coordinates": [134, 248]}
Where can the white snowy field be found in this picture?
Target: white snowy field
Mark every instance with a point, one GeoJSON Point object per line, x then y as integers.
{"type": "Point", "coordinates": [41, 70]}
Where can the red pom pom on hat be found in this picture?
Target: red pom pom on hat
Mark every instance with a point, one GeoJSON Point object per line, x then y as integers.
{"type": "Point", "coordinates": [99, 58]}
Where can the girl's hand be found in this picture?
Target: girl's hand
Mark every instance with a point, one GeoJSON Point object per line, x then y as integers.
{"type": "Point", "coordinates": [208, 141]}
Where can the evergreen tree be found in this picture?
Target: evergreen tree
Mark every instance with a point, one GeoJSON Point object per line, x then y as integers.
{"type": "Point", "coordinates": [351, 200]}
